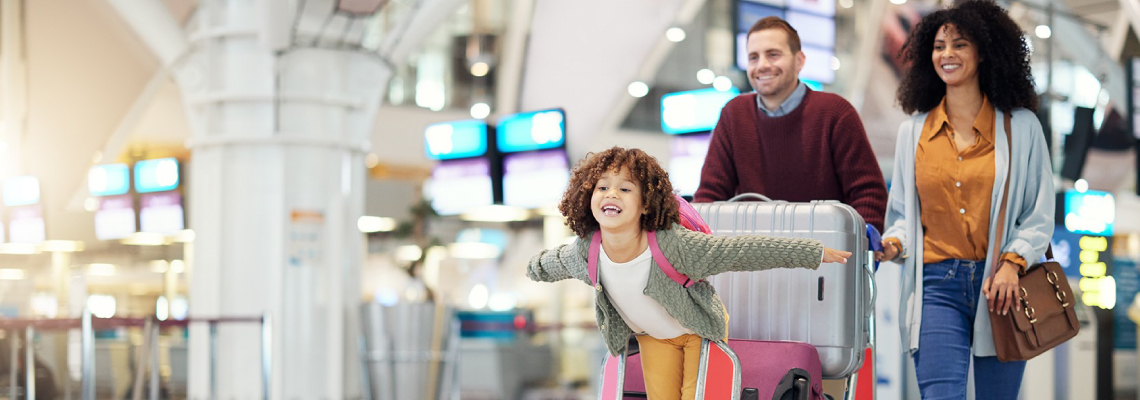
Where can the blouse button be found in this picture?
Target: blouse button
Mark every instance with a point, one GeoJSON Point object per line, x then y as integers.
{"type": "Point", "coordinates": [958, 184]}
{"type": "Point", "coordinates": [961, 211]}
{"type": "Point", "coordinates": [598, 286]}
{"type": "Point", "coordinates": [959, 158]}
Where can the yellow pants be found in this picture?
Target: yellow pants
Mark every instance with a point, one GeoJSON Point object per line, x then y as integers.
{"type": "Point", "coordinates": [670, 366]}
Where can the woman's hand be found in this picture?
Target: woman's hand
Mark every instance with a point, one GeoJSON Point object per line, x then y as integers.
{"type": "Point", "coordinates": [1002, 293]}
{"type": "Point", "coordinates": [890, 251]}
{"type": "Point", "coordinates": [835, 256]}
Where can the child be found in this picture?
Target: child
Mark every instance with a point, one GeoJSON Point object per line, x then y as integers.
{"type": "Point", "coordinates": [626, 195]}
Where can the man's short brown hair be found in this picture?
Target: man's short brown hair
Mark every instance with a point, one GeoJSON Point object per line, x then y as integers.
{"type": "Point", "coordinates": [777, 23]}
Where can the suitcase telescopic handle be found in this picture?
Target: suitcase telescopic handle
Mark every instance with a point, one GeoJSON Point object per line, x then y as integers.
{"type": "Point", "coordinates": [754, 196]}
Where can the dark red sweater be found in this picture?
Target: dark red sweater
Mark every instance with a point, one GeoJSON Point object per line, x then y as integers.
{"type": "Point", "coordinates": [817, 152]}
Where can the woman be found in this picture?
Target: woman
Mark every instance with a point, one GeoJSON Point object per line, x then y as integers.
{"type": "Point", "coordinates": [969, 70]}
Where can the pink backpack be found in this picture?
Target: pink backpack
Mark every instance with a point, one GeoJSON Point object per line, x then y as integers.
{"type": "Point", "coordinates": [690, 219]}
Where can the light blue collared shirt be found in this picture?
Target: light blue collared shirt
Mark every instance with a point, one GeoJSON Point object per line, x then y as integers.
{"type": "Point", "coordinates": [788, 105]}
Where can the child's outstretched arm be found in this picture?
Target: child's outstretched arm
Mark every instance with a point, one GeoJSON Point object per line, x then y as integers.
{"type": "Point", "coordinates": [709, 255]}
{"type": "Point", "coordinates": [567, 261]}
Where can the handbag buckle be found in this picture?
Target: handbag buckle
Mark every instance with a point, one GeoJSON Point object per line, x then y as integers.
{"type": "Point", "coordinates": [1031, 314]}
{"type": "Point", "coordinates": [1051, 277]}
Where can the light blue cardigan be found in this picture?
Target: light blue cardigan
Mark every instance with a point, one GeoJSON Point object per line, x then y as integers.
{"type": "Point", "coordinates": [1029, 224]}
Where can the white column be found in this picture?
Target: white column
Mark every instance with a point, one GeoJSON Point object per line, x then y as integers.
{"type": "Point", "coordinates": [13, 78]}
{"type": "Point", "coordinates": [276, 188]}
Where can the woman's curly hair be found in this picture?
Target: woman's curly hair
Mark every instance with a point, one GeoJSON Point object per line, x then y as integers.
{"type": "Point", "coordinates": [656, 191]}
{"type": "Point", "coordinates": [1003, 67]}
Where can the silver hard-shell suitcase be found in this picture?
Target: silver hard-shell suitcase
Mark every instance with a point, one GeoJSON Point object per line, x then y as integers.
{"type": "Point", "coordinates": [830, 308]}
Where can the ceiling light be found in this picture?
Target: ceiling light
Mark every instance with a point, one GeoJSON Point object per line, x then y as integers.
{"type": "Point", "coordinates": [474, 250]}
{"type": "Point", "coordinates": [409, 252]}
{"type": "Point", "coordinates": [11, 274]}
{"type": "Point", "coordinates": [722, 83]}
{"type": "Point", "coordinates": [18, 248]}
{"type": "Point", "coordinates": [91, 204]}
{"type": "Point", "coordinates": [61, 246]}
{"type": "Point", "coordinates": [480, 110]}
{"type": "Point", "coordinates": [846, 3]}
{"type": "Point", "coordinates": [159, 266]}
{"type": "Point", "coordinates": [145, 239]}
{"type": "Point", "coordinates": [480, 69]}
{"type": "Point", "coordinates": [369, 224]}
{"type": "Point", "coordinates": [1081, 185]}
{"type": "Point", "coordinates": [1043, 31]}
{"type": "Point", "coordinates": [183, 236]}
{"type": "Point", "coordinates": [101, 270]}
{"type": "Point", "coordinates": [371, 160]}
{"type": "Point", "coordinates": [705, 76]}
{"type": "Point", "coordinates": [675, 34]}
{"type": "Point", "coordinates": [638, 89]}
{"type": "Point", "coordinates": [496, 213]}
{"type": "Point", "coordinates": [835, 63]}
{"type": "Point", "coordinates": [899, 2]}
{"type": "Point", "coordinates": [177, 266]}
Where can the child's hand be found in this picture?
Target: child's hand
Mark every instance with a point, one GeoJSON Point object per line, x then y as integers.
{"type": "Point", "coordinates": [835, 256]}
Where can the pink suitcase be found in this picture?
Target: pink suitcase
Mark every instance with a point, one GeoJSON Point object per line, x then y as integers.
{"type": "Point", "coordinates": [791, 368]}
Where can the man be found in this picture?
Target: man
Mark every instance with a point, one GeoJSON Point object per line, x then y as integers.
{"type": "Point", "coordinates": [787, 141]}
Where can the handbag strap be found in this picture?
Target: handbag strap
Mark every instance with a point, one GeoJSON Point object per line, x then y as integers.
{"type": "Point", "coordinates": [654, 249]}
{"type": "Point", "coordinates": [996, 249]}
{"type": "Point", "coordinates": [999, 233]}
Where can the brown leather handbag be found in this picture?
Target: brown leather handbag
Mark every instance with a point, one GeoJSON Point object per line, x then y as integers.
{"type": "Point", "coordinates": [1047, 317]}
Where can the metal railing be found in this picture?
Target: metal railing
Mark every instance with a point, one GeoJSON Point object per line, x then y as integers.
{"type": "Point", "coordinates": [147, 362]}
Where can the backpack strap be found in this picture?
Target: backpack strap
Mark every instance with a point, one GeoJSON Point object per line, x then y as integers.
{"type": "Point", "coordinates": [658, 257]}
{"type": "Point", "coordinates": [664, 264]}
{"type": "Point", "coordinates": [592, 259]}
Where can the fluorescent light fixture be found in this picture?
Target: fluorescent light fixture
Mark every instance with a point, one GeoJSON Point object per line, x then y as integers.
{"type": "Point", "coordinates": [145, 239]}
{"type": "Point", "coordinates": [61, 246]}
{"type": "Point", "coordinates": [369, 224]}
{"type": "Point", "coordinates": [162, 308]}
{"type": "Point", "coordinates": [1043, 31]}
{"type": "Point", "coordinates": [480, 69]}
{"type": "Point", "coordinates": [496, 213]}
{"type": "Point", "coordinates": [18, 248]}
{"type": "Point", "coordinates": [11, 274]}
{"type": "Point", "coordinates": [101, 269]}
{"type": "Point", "coordinates": [474, 250]}
{"type": "Point", "coordinates": [550, 211]}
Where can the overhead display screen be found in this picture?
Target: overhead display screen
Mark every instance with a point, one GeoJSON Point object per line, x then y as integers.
{"type": "Point", "coordinates": [534, 130]}
{"type": "Point", "coordinates": [457, 139]}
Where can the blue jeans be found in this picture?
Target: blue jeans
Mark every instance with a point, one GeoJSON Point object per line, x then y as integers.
{"type": "Point", "coordinates": [951, 292]}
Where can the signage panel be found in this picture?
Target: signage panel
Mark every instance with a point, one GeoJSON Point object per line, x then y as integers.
{"type": "Point", "coordinates": [457, 139]}
{"type": "Point", "coordinates": [535, 130]}
{"type": "Point", "coordinates": [1091, 212]}
{"type": "Point", "coordinates": [26, 224]}
{"type": "Point", "coordinates": [533, 180]}
{"type": "Point", "coordinates": [156, 175]}
{"type": "Point", "coordinates": [21, 191]}
{"type": "Point", "coordinates": [115, 218]}
{"type": "Point", "coordinates": [694, 110]}
{"type": "Point", "coordinates": [109, 180]}
{"type": "Point", "coordinates": [459, 185]}
{"type": "Point", "coordinates": [161, 213]}
{"type": "Point", "coordinates": [686, 161]}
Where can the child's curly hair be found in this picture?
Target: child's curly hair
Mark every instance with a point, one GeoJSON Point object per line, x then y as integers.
{"type": "Point", "coordinates": [656, 191]}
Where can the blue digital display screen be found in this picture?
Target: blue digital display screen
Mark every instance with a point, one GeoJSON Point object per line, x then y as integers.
{"type": "Point", "coordinates": [694, 110]}
{"type": "Point", "coordinates": [156, 175]}
{"type": "Point", "coordinates": [1090, 212]}
{"type": "Point", "coordinates": [109, 180]}
{"type": "Point", "coordinates": [535, 130]}
{"type": "Point", "coordinates": [21, 191]}
{"type": "Point", "coordinates": [457, 139]}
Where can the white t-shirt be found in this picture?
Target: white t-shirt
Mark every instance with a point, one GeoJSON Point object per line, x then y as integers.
{"type": "Point", "coordinates": [625, 285]}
